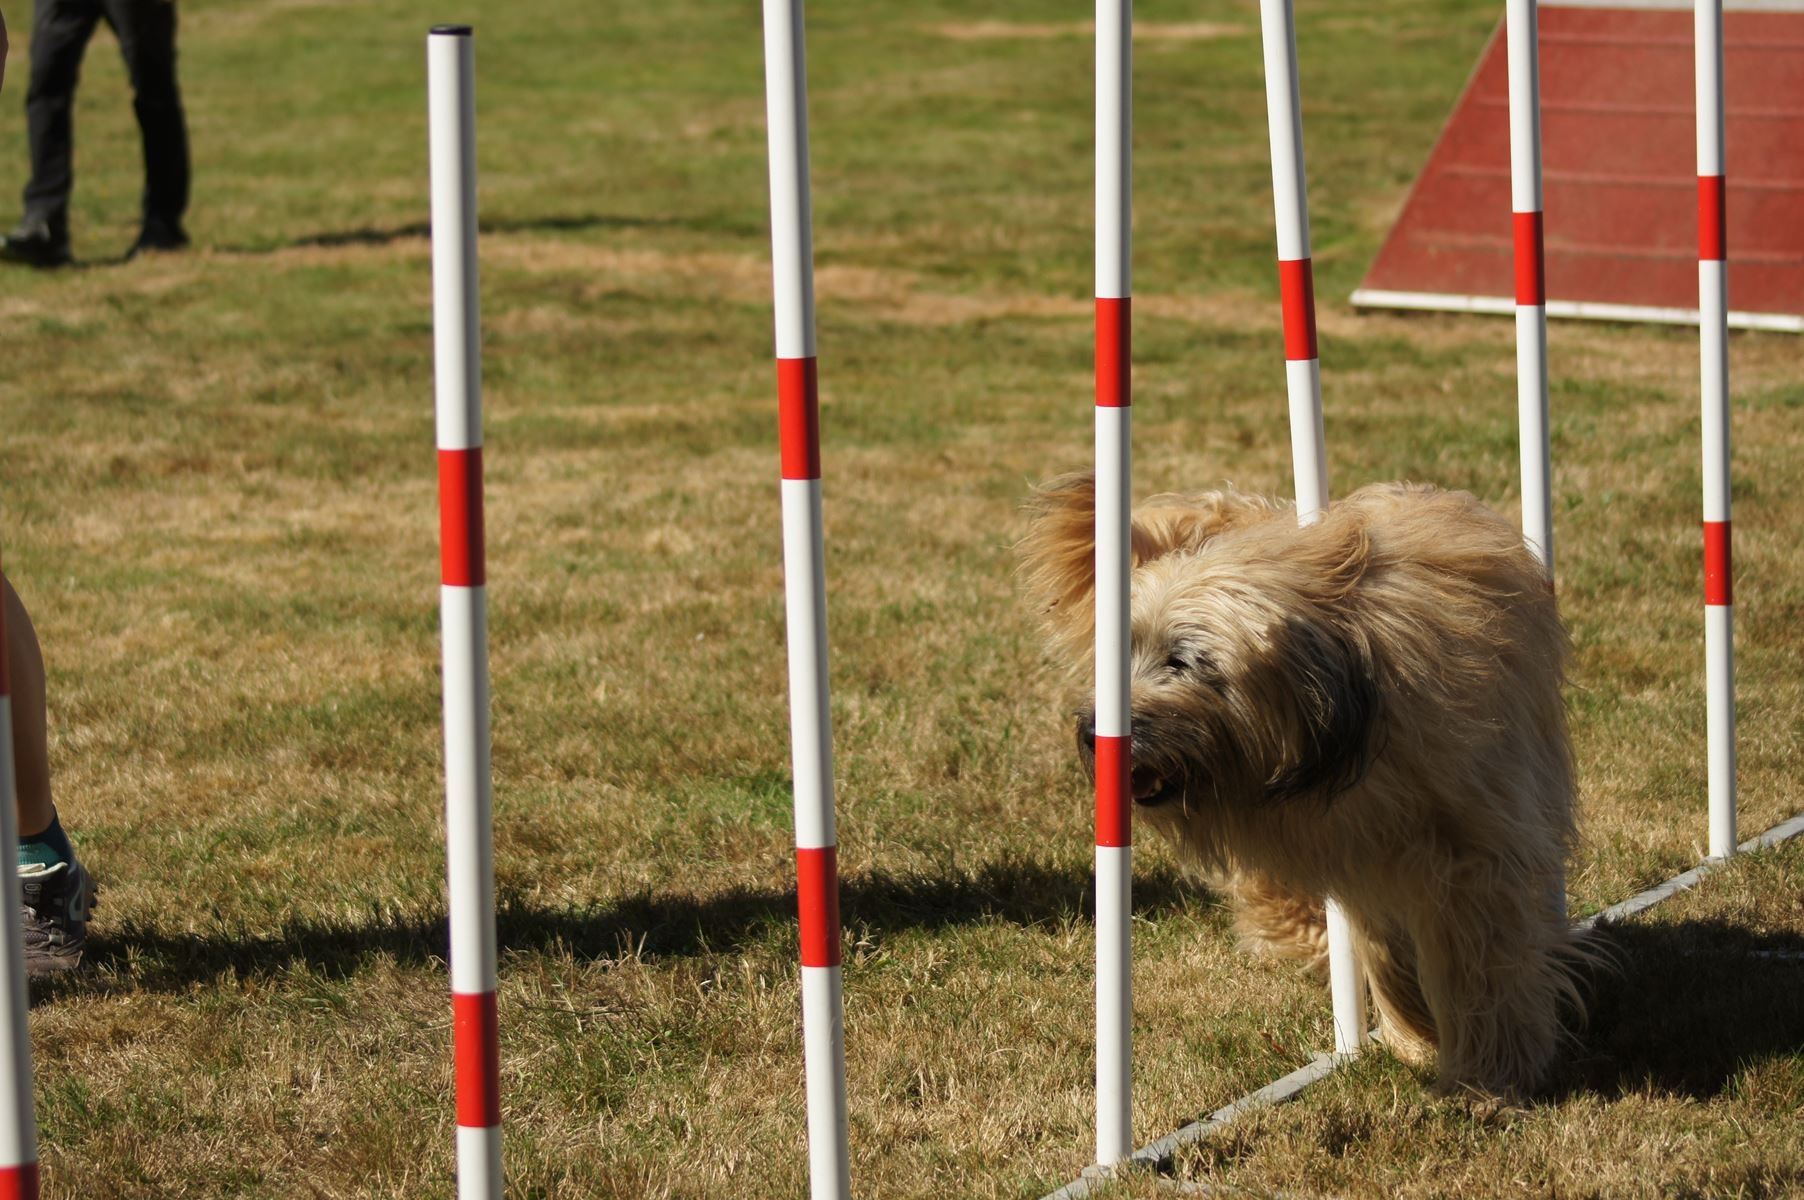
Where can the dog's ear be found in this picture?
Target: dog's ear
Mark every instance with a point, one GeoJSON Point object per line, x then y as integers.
{"type": "Point", "coordinates": [1170, 523]}
{"type": "Point", "coordinates": [1337, 706]}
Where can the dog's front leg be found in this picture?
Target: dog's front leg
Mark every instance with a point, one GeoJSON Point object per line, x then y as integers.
{"type": "Point", "coordinates": [1389, 962]}
{"type": "Point", "coordinates": [1491, 982]}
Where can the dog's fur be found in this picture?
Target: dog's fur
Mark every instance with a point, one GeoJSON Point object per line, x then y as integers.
{"type": "Point", "coordinates": [1367, 708]}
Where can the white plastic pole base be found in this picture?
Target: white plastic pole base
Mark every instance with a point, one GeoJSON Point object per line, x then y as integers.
{"type": "Point", "coordinates": [1531, 404]}
{"type": "Point", "coordinates": [1346, 983]}
{"type": "Point", "coordinates": [823, 1057]}
{"type": "Point", "coordinates": [18, 1122]}
{"type": "Point", "coordinates": [1308, 445]}
{"type": "Point", "coordinates": [478, 1161]}
{"type": "Point", "coordinates": [1719, 669]}
{"type": "Point", "coordinates": [1114, 1004]}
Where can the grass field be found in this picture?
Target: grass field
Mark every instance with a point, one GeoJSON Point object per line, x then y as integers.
{"type": "Point", "coordinates": [217, 495]}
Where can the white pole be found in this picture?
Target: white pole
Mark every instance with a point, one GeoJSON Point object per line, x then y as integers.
{"type": "Point", "coordinates": [1531, 281]}
{"type": "Point", "coordinates": [1303, 378]}
{"type": "Point", "coordinates": [469, 847]}
{"type": "Point", "coordinates": [18, 1124]}
{"type": "Point", "coordinates": [805, 589]}
{"type": "Point", "coordinates": [1114, 794]}
{"type": "Point", "coordinates": [1522, 30]}
{"type": "Point", "coordinates": [1713, 331]}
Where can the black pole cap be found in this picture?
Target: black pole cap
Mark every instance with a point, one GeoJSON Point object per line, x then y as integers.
{"type": "Point", "coordinates": [451, 30]}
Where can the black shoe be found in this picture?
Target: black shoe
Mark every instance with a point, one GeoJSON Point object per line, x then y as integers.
{"type": "Point", "coordinates": [33, 244]}
{"type": "Point", "coordinates": [158, 236]}
{"type": "Point", "coordinates": [53, 910]}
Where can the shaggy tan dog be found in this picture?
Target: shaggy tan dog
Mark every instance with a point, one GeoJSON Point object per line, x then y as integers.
{"type": "Point", "coordinates": [1367, 708]}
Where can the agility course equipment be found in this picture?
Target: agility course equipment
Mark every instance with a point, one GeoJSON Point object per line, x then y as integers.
{"type": "Point", "coordinates": [803, 551]}
{"type": "Point", "coordinates": [805, 590]}
{"type": "Point", "coordinates": [1303, 383]}
{"type": "Point", "coordinates": [1289, 190]}
{"type": "Point", "coordinates": [18, 1121]}
{"type": "Point", "coordinates": [1114, 471]}
{"type": "Point", "coordinates": [1157, 1154]}
{"type": "Point", "coordinates": [1713, 340]}
{"type": "Point", "coordinates": [1534, 448]}
{"type": "Point", "coordinates": [1618, 76]}
{"type": "Point", "coordinates": [1522, 22]}
{"type": "Point", "coordinates": [463, 609]}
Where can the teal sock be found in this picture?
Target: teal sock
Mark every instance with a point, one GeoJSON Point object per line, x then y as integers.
{"type": "Point", "coordinates": [48, 848]}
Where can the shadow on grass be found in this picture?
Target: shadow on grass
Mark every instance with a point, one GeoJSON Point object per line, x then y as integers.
{"type": "Point", "coordinates": [1690, 1005]}
{"type": "Point", "coordinates": [649, 925]}
{"type": "Point", "coordinates": [370, 235]}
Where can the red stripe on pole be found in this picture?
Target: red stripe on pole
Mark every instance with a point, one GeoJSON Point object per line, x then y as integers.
{"type": "Point", "coordinates": [475, 1045]}
{"type": "Point", "coordinates": [817, 904]}
{"type": "Point", "coordinates": [1114, 352]}
{"type": "Point", "coordinates": [799, 417]}
{"type": "Point", "coordinates": [1296, 288]}
{"type": "Point", "coordinates": [460, 517]}
{"type": "Point", "coordinates": [20, 1182]}
{"type": "Point", "coordinates": [1114, 797]}
{"type": "Point", "coordinates": [1531, 259]}
{"type": "Point", "coordinates": [1717, 586]}
{"type": "Point", "coordinates": [1713, 220]}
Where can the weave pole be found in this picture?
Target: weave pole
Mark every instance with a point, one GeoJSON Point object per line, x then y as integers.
{"type": "Point", "coordinates": [1522, 31]}
{"type": "Point", "coordinates": [463, 610]}
{"type": "Point", "coordinates": [1303, 381]}
{"type": "Point", "coordinates": [18, 1122]}
{"type": "Point", "coordinates": [1531, 277]}
{"type": "Point", "coordinates": [1713, 335]}
{"type": "Point", "coordinates": [805, 593]}
{"type": "Point", "coordinates": [1114, 397]}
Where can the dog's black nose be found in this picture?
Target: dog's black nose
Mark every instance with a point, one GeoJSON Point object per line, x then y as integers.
{"type": "Point", "coordinates": [1086, 732]}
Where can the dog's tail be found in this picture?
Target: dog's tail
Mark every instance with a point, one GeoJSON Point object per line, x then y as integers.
{"type": "Point", "coordinates": [1058, 560]}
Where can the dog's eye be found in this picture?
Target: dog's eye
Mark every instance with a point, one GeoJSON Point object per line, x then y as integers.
{"type": "Point", "coordinates": [1195, 665]}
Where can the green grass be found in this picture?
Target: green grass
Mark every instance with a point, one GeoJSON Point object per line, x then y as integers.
{"type": "Point", "coordinates": [217, 497]}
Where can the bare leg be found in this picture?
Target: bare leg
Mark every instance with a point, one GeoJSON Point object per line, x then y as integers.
{"type": "Point", "coordinates": [55, 893]}
{"type": "Point", "coordinates": [31, 754]}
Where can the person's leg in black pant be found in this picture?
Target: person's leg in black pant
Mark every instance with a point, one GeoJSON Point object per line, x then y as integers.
{"type": "Point", "coordinates": [59, 34]}
{"type": "Point", "coordinates": [146, 30]}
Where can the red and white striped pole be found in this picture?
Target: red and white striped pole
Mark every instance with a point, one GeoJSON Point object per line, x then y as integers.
{"type": "Point", "coordinates": [1522, 29]}
{"type": "Point", "coordinates": [463, 609]}
{"type": "Point", "coordinates": [1531, 277]}
{"type": "Point", "coordinates": [805, 591]}
{"type": "Point", "coordinates": [1114, 793]}
{"type": "Point", "coordinates": [18, 1124]}
{"type": "Point", "coordinates": [1713, 332]}
{"type": "Point", "coordinates": [1303, 379]}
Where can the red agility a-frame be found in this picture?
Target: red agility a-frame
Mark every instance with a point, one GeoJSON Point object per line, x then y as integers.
{"type": "Point", "coordinates": [1618, 97]}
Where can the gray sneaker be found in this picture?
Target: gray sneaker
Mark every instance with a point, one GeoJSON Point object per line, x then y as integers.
{"type": "Point", "coordinates": [54, 911]}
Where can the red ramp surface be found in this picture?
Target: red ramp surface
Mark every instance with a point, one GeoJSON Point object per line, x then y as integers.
{"type": "Point", "coordinates": [1619, 139]}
